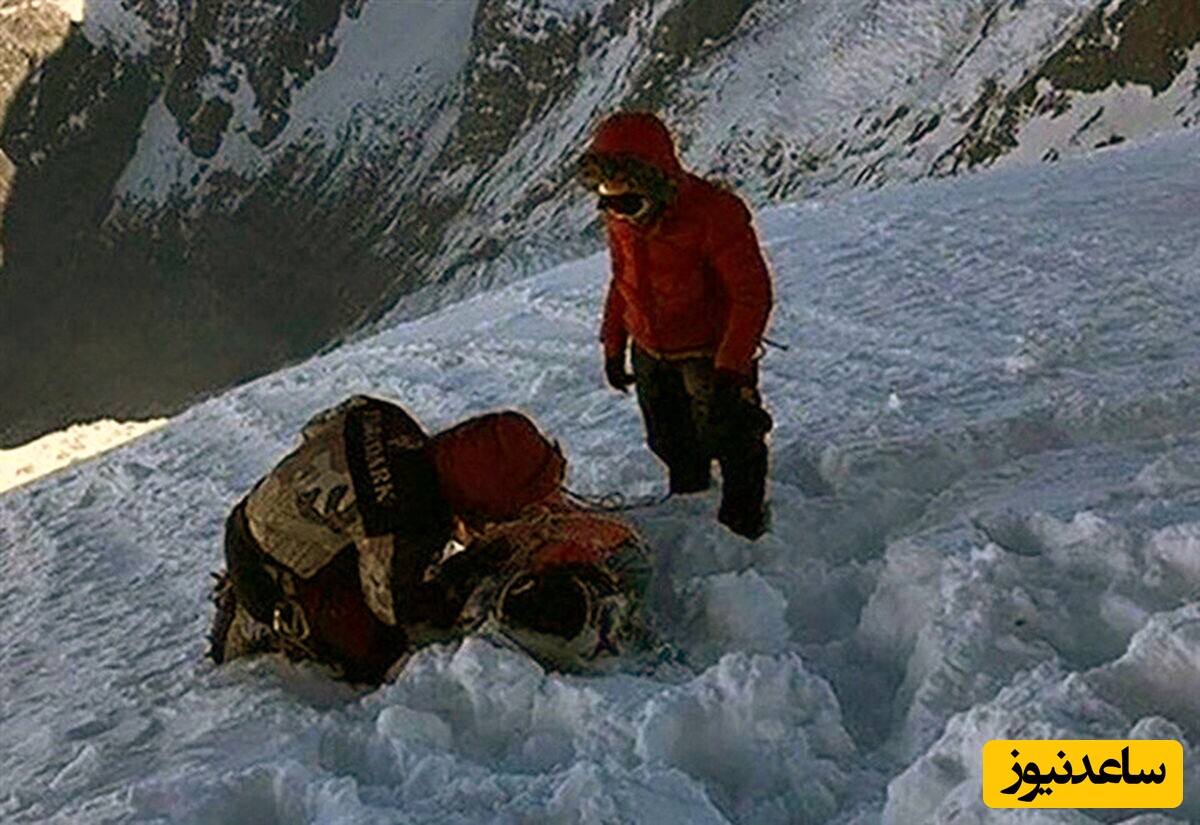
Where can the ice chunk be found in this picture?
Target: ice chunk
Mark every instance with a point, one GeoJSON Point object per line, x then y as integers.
{"type": "Point", "coordinates": [739, 611]}
{"type": "Point", "coordinates": [762, 733]}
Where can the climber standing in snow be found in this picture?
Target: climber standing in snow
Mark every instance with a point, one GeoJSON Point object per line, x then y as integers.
{"type": "Point", "coordinates": [690, 289]}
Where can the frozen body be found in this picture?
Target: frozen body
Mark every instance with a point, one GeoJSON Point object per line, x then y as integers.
{"type": "Point", "coordinates": [997, 376]}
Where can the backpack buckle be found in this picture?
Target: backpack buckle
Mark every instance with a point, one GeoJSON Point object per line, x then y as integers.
{"type": "Point", "coordinates": [289, 620]}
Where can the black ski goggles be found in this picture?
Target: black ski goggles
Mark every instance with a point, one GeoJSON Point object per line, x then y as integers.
{"type": "Point", "coordinates": [629, 203]}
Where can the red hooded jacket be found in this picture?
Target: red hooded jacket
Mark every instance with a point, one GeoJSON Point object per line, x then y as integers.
{"type": "Point", "coordinates": [692, 281]}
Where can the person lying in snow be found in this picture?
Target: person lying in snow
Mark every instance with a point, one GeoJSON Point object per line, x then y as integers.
{"type": "Point", "coordinates": [372, 539]}
{"type": "Point", "coordinates": [691, 290]}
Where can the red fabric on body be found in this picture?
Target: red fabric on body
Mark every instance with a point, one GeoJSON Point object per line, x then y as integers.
{"type": "Point", "coordinates": [579, 537]}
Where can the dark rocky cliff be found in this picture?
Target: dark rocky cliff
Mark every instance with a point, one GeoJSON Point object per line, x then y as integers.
{"type": "Point", "coordinates": [29, 33]}
{"type": "Point", "coordinates": [207, 190]}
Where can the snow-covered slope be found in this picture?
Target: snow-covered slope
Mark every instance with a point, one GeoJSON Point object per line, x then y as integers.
{"type": "Point", "coordinates": [270, 175]}
{"type": "Point", "coordinates": [996, 375]}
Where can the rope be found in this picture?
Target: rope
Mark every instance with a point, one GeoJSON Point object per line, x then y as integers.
{"type": "Point", "coordinates": [614, 502]}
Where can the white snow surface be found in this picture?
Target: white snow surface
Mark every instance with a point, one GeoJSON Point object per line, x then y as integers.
{"type": "Point", "coordinates": [997, 377]}
{"type": "Point", "coordinates": [109, 23]}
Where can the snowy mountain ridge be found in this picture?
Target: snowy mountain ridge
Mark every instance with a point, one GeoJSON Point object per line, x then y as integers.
{"type": "Point", "coordinates": [275, 175]}
{"type": "Point", "coordinates": [995, 374]}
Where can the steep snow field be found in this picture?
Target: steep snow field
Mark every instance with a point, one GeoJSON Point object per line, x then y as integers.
{"type": "Point", "coordinates": [997, 376]}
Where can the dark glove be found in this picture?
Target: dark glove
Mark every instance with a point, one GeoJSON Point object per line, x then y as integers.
{"type": "Point", "coordinates": [618, 377]}
{"type": "Point", "coordinates": [730, 391]}
{"type": "Point", "coordinates": [737, 399]}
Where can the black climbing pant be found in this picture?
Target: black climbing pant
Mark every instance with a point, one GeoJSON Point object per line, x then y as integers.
{"type": "Point", "coordinates": [692, 418]}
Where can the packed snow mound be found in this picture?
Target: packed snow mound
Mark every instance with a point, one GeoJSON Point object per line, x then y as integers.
{"type": "Point", "coordinates": [986, 492]}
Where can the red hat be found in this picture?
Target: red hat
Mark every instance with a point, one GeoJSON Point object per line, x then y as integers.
{"type": "Point", "coordinates": [494, 466]}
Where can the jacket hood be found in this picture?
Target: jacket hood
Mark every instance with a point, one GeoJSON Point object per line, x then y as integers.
{"type": "Point", "coordinates": [639, 135]}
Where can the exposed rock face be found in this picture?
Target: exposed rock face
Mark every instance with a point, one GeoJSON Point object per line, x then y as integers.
{"type": "Point", "coordinates": [30, 31]}
{"type": "Point", "coordinates": [206, 189]}
{"type": "Point", "coordinates": [1131, 43]}
{"type": "Point", "coordinates": [272, 48]}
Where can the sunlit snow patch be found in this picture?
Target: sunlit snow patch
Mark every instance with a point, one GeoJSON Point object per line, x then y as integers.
{"type": "Point", "coordinates": [38, 458]}
{"type": "Point", "coordinates": [75, 8]}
